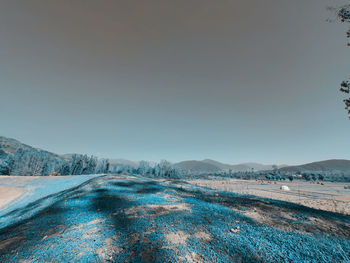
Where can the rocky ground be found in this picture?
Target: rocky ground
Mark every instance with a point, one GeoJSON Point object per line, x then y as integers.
{"type": "Point", "coordinates": [131, 219]}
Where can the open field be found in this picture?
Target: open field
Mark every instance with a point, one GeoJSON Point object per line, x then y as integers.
{"type": "Point", "coordinates": [133, 219]}
{"type": "Point", "coordinates": [327, 196]}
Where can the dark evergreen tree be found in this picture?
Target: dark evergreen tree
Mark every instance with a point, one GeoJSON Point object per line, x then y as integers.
{"type": "Point", "coordinates": [7, 165]}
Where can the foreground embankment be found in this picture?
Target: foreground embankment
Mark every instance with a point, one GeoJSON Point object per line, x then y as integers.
{"type": "Point", "coordinates": [131, 219]}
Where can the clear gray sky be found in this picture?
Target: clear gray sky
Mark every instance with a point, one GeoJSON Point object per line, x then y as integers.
{"type": "Point", "coordinates": [231, 80]}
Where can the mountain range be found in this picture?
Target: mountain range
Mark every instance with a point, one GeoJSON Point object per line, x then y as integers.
{"type": "Point", "coordinates": [209, 165]}
{"type": "Point", "coordinates": [10, 146]}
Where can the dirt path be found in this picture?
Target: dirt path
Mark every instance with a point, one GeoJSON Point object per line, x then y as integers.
{"type": "Point", "coordinates": [113, 219]}
{"type": "Point", "coordinates": [9, 194]}
{"type": "Point", "coordinates": [12, 187]}
{"type": "Point", "coordinates": [18, 191]}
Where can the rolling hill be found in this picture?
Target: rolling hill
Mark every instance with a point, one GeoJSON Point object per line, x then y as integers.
{"type": "Point", "coordinates": [10, 146]}
{"type": "Point", "coordinates": [334, 165]}
{"type": "Point", "coordinates": [211, 166]}
{"type": "Point", "coordinates": [197, 166]}
{"type": "Point", "coordinates": [240, 167]}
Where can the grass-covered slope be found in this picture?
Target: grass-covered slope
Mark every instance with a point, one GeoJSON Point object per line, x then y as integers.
{"type": "Point", "coordinates": [141, 220]}
{"type": "Point", "coordinates": [336, 165]}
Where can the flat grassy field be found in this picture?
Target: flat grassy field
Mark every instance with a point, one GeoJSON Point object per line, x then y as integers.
{"type": "Point", "coordinates": [329, 196]}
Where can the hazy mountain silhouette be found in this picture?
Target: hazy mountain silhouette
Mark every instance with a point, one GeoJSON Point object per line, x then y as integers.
{"type": "Point", "coordinates": [241, 167]}
{"type": "Point", "coordinates": [340, 165]}
{"type": "Point", "coordinates": [209, 165]}
{"type": "Point", "coordinates": [116, 162]}
{"type": "Point", "coordinates": [197, 166]}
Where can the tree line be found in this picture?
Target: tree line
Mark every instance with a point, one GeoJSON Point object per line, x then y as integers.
{"type": "Point", "coordinates": [163, 169]}
{"type": "Point", "coordinates": [35, 162]}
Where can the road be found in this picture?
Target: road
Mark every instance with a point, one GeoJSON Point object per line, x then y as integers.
{"type": "Point", "coordinates": [132, 219]}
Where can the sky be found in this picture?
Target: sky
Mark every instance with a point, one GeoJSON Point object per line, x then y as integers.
{"type": "Point", "coordinates": [231, 80]}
